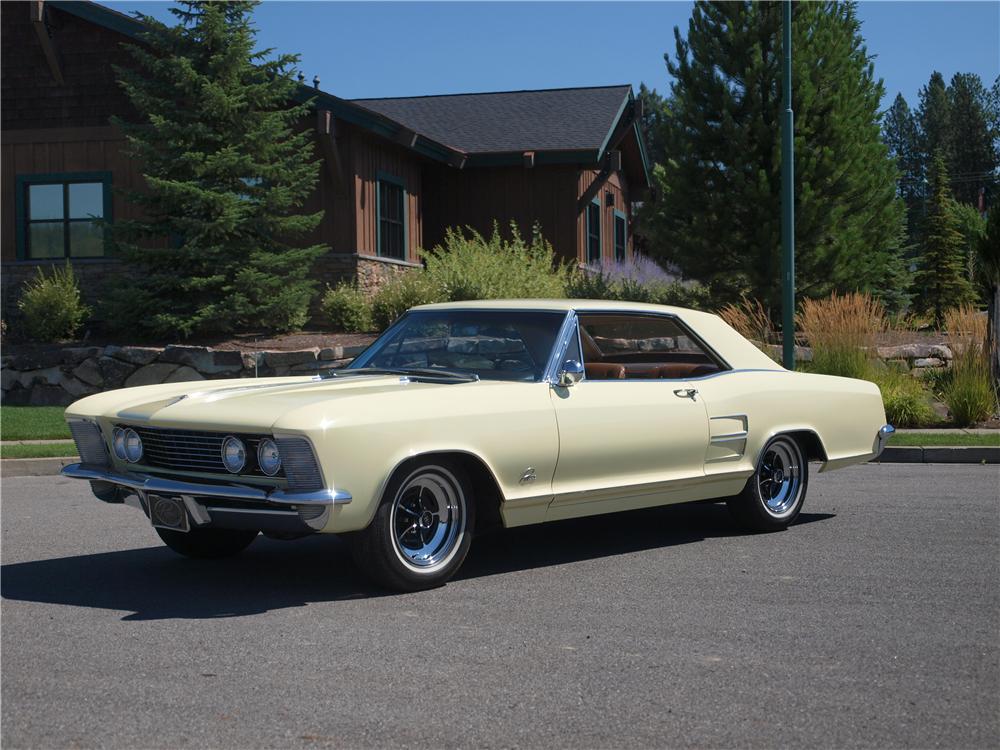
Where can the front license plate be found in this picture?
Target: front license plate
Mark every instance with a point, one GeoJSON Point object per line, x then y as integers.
{"type": "Point", "coordinates": [168, 513]}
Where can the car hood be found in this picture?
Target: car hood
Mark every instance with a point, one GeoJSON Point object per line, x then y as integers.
{"type": "Point", "coordinates": [242, 405]}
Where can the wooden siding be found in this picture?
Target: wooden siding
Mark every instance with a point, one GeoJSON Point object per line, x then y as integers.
{"type": "Point", "coordinates": [478, 197]}
{"type": "Point", "coordinates": [369, 158]}
{"type": "Point", "coordinates": [68, 150]}
{"type": "Point", "coordinates": [617, 186]}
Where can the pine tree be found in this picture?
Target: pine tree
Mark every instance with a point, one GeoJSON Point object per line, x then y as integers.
{"type": "Point", "coordinates": [974, 159]}
{"type": "Point", "coordinates": [655, 111]}
{"type": "Point", "coordinates": [902, 136]}
{"type": "Point", "coordinates": [226, 172]}
{"type": "Point", "coordinates": [934, 119]}
{"type": "Point", "coordinates": [940, 282]}
{"type": "Point", "coordinates": [719, 214]}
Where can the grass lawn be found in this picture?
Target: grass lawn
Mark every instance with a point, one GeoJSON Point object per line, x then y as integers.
{"type": "Point", "coordinates": [32, 423]}
{"type": "Point", "coordinates": [925, 438]}
{"type": "Point", "coordinates": [38, 450]}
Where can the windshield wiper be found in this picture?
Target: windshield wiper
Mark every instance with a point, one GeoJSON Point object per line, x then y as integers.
{"type": "Point", "coordinates": [422, 373]}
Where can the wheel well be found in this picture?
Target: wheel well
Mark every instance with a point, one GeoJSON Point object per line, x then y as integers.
{"type": "Point", "coordinates": [810, 443]}
{"type": "Point", "coordinates": [485, 491]}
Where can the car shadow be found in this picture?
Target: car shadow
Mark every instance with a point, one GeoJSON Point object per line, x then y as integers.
{"type": "Point", "coordinates": [153, 583]}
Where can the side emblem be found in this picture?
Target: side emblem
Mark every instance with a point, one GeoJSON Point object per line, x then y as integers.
{"type": "Point", "coordinates": [528, 476]}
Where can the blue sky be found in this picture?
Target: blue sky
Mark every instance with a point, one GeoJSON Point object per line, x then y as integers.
{"type": "Point", "coordinates": [408, 48]}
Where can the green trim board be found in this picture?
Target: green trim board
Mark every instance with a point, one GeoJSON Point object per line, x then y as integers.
{"type": "Point", "coordinates": [614, 124]}
{"type": "Point", "coordinates": [21, 183]}
{"type": "Point", "coordinates": [594, 205]}
{"type": "Point", "coordinates": [620, 215]}
{"type": "Point", "coordinates": [385, 177]}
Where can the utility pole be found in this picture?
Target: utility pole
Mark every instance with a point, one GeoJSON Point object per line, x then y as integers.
{"type": "Point", "coordinates": [787, 198]}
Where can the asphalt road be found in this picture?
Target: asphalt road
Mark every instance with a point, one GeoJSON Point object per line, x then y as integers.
{"type": "Point", "coordinates": [874, 621]}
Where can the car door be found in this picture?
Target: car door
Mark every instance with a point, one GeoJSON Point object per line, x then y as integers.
{"type": "Point", "coordinates": [634, 427]}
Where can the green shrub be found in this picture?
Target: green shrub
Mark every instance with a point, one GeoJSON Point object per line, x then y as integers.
{"type": "Point", "coordinates": [51, 305]}
{"type": "Point", "coordinates": [348, 309]}
{"type": "Point", "coordinates": [469, 266]}
{"type": "Point", "coordinates": [639, 279]}
{"type": "Point", "coordinates": [907, 402]}
{"type": "Point", "coordinates": [401, 293]}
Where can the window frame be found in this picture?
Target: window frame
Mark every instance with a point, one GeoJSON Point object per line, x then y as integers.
{"type": "Point", "coordinates": [380, 178]}
{"type": "Point", "coordinates": [594, 205]}
{"type": "Point", "coordinates": [712, 354]}
{"type": "Point", "coordinates": [624, 219]}
{"type": "Point", "coordinates": [21, 184]}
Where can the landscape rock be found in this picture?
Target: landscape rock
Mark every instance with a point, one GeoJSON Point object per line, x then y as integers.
{"type": "Point", "coordinates": [48, 376]}
{"type": "Point", "coordinates": [317, 366]}
{"type": "Point", "coordinates": [928, 362]}
{"type": "Point", "coordinates": [183, 374]}
{"type": "Point", "coordinates": [114, 370]}
{"type": "Point", "coordinates": [74, 387]}
{"type": "Point", "coordinates": [225, 361]}
{"type": "Point", "coordinates": [331, 353]}
{"type": "Point", "coordinates": [73, 355]}
{"type": "Point", "coordinates": [151, 374]}
{"type": "Point", "coordinates": [9, 378]}
{"type": "Point", "coordinates": [136, 355]}
{"type": "Point", "coordinates": [915, 351]}
{"type": "Point", "coordinates": [49, 395]}
{"type": "Point", "coordinates": [37, 360]}
{"type": "Point", "coordinates": [192, 356]}
{"type": "Point", "coordinates": [287, 359]}
{"type": "Point", "coordinates": [89, 373]}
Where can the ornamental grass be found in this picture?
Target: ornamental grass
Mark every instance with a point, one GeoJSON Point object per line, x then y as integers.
{"type": "Point", "coordinates": [967, 389]}
{"type": "Point", "coordinates": [843, 331]}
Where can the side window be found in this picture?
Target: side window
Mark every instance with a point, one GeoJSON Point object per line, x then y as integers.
{"type": "Point", "coordinates": [60, 215]}
{"type": "Point", "coordinates": [620, 347]}
{"type": "Point", "coordinates": [391, 218]}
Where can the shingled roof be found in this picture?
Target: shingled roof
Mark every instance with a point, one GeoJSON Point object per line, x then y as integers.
{"type": "Point", "coordinates": [512, 121]}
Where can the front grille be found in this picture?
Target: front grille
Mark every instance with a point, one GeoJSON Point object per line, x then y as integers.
{"type": "Point", "coordinates": [299, 464]}
{"type": "Point", "coordinates": [89, 442]}
{"type": "Point", "coordinates": [189, 450]}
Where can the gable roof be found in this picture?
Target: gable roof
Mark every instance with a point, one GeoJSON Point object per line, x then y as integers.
{"type": "Point", "coordinates": [548, 120]}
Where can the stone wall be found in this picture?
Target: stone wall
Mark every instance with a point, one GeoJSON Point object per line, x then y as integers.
{"type": "Point", "coordinates": [904, 356]}
{"type": "Point", "coordinates": [58, 377]}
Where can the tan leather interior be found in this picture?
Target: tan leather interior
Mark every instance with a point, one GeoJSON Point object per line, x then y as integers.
{"type": "Point", "coordinates": [605, 371]}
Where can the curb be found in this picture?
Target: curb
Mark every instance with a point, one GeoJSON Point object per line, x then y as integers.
{"type": "Point", "coordinates": [34, 467]}
{"type": "Point", "coordinates": [955, 454]}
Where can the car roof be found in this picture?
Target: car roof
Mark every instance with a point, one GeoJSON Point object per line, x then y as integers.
{"type": "Point", "coordinates": [555, 305]}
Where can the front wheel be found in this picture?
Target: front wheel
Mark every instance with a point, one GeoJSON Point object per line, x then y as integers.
{"type": "Point", "coordinates": [773, 496]}
{"type": "Point", "coordinates": [207, 543]}
{"type": "Point", "coordinates": [422, 528]}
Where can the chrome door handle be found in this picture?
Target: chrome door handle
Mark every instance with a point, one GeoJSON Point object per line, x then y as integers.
{"type": "Point", "coordinates": [686, 393]}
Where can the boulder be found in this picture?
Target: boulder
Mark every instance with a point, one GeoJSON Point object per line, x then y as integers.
{"type": "Point", "coordinates": [317, 366]}
{"type": "Point", "coordinates": [150, 374]}
{"type": "Point", "coordinates": [114, 371]}
{"type": "Point", "coordinates": [48, 376]}
{"type": "Point", "coordinates": [287, 359]}
{"type": "Point", "coordinates": [915, 351]}
{"type": "Point", "coordinates": [136, 355]}
{"type": "Point", "coordinates": [9, 378]}
{"type": "Point", "coordinates": [192, 356]}
{"type": "Point", "coordinates": [336, 352]}
{"type": "Point", "coordinates": [75, 388]}
{"type": "Point", "coordinates": [183, 374]}
{"type": "Point", "coordinates": [37, 360]}
{"type": "Point", "coordinates": [73, 355]}
{"type": "Point", "coordinates": [49, 395]}
{"type": "Point", "coordinates": [89, 373]}
{"type": "Point", "coordinates": [225, 361]}
{"type": "Point", "coordinates": [928, 362]}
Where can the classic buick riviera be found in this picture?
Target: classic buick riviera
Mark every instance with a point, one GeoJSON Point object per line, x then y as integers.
{"type": "Point", "coordinates": [467, 415]}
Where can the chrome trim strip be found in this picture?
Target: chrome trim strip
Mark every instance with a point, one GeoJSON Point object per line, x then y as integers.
{"type": "Point", "coordinates": [730, 437]}
{"type": "Point", "coordinates": [563, 338]}
{"type": "Point", "coordinates": [158, 486]}
{"type": "Point", "coordinates": [255, 511]}
{"type": "Point", "coordinates": [882, 438]}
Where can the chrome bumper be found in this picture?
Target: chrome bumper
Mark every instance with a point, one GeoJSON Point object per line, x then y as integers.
{"type": "Point", "coordinates": [882, 438]}
{"type": "Point", "coordinates": [194, 495]}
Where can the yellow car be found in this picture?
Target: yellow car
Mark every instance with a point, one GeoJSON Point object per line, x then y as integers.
{"type": "Point", "coordinates": [467, 415]}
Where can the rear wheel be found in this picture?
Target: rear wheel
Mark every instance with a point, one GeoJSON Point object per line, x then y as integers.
{"type": "Point", "coordinates": [773, 496]}
{"type": "Point", "coordinates": [422, 528]}
{"type": "Point", "coordinates": [207, 543]}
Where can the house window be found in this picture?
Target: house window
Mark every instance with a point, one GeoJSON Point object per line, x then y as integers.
{"type": "Point", "coordinates": [58, 216]}
{"type": "Point", "coordinates": [594, 233]}
{"type": "Point", "coordinates": [391, 218]}
{"type": "Point", "coordinates": [621, 236]}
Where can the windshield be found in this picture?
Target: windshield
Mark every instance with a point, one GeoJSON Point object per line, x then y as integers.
{"type": "Point", "coordinates": [491, 344]}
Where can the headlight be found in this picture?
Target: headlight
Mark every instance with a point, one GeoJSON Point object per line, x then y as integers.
{"type": "Point", "coordinates": [133, 446]}
{"type": "Point", "coordinates": [234, 454]}
{"type": "Point", "coordinates": [268, 458]}
{"type": "Point", "coordinates": [118, 443]}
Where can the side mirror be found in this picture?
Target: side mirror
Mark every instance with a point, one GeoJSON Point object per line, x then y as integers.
{"type": "Point", "coordinates": [571, 373]}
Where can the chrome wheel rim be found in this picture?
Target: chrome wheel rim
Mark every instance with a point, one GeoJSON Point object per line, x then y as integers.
{"type": "Point", "coordinates": [779, 478]}
{"type": "Point", "coordinates": [428, 519]}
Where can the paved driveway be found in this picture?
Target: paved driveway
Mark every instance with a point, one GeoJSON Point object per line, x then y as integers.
{"type": "Point", "coordinates": [874, 621]}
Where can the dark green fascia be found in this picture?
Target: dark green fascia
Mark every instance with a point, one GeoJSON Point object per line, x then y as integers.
{"type": "Point", "coordinates": [630, 99]}
{"type": "Point", "coordinates": [98, 14]}
{"type": "Point", "coordinates": [23, 180]}
{"type": "Point", "coordinates": [614, 124]}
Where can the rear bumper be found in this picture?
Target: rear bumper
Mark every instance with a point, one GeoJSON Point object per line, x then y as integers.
{"type": "Point", "coordinates": [221, 505]}
{"type": "Point", "coordinates": [882, 438]}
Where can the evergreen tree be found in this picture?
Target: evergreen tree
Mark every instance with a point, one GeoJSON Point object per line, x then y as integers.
{"type": "Point", "coordinates": [655, 111]}
{"type": "Point", "coordinates": [974, 159]}
{"type": "Point", "coordinates": [226, 171]}
{"type": "Point", "coordinates": [934, 119]}
{"type": "Point", "coordinates": [903, 139]}
{"type": "Point", "coordinates": [720, 213]}
{"type": "Point", "coordinates": [941, 282]}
